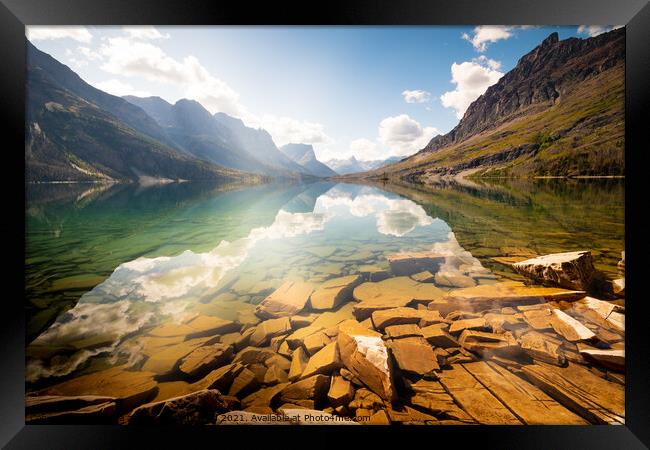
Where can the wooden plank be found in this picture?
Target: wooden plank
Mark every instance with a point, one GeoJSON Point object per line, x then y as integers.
{"type": "Point", "coordinates": [529, 403]}
{"type": "Point", "coordinates": [588, 395]}
{"type": "Point", "coordinates": [474, 398]}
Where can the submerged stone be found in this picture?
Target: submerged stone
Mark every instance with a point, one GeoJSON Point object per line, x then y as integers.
{"type": "Point", "coordinates": [571, 270]}
{"type": "Point", "coordinates": [334, 292]}
{"type": "Point", "coordinates": [287, 300]}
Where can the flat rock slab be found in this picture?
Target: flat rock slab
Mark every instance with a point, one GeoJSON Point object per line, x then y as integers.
{"type": "Point", "coordinates": [409, 263]}
{"type": "Point", "coordinates": [613, 359]}
{"type": "Point", "coordinates": [455, 280]}
{"type": "Point", "coordinates": [287, 300]}
{"type": "Point", "coordinates": [499, 295]}
{"type": "Point", "coordinates": [312, 388]}
{"type": "Point", "coordinates": [341, 391]}
{"type": "Point", "coordinates": [571, 270]}
{"type": "Point", "coordinates": [268, 329]}
{"type": "Point", "coordinates": [475, 399]}
{"type": "Point", "coordinates": [570, 328]}
{"type": "Point", "coordinates": [264, 396]}
{"type": "Point", "coordinates": [529, 403]}
{"type": "Point", "coordinates": [438, 337]}
{"type": "Point", "coordinates": [400, 290]}
{"type": "Point", "coordinates": [334, 292]}
{"type": "Point", "coordinates": [197, 408]}
{"type": "Point", "coordinates": [423, 277]}
{"type": "Point", "coordinates": [458, 326]}
{"type": "Point", "coordinates": [130, 388]}
{"type": "Point", "coordinates": [168, 358]}
{"type": "Point", "coordinates": [220, 378]}
{"type": "Point", "coordinates": [54, 409]}
{"type": "Point", "coordinates": [595, 399]}
{"type": "Point", "coordinates": [414, 355]}
{"type": "Point", "coordinates": [488, 344]}
{"type": "Point", "coordinates": [404, 315]}
{"type": "Point", "coordinates": [204, 358]}
{"type": "Point", "coordinates": [364, 354]}
{"type": "Point", "coordinates": [403, 331]}
{"type": "Point", "coordinates": [431, 396]}
{"type": "Point", "coordinates": [538, 346]}
{"type": "Point", "coordinates": [324, 361]}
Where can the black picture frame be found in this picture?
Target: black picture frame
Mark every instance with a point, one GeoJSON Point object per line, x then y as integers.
{"type": "Point", "coordinates": [15, 14]}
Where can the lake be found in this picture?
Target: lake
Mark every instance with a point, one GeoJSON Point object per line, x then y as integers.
{"type": "Point", "coordinates": [107, 263]}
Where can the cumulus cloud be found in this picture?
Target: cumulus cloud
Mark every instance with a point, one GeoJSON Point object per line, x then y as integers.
{"type": "Point", "coordinates": [404, 135]}
{"type": "Point", "coordinates": [416, 96]}
{"type": "Point", "coordinates": [145, 33]}
{"type": "Point", "coordinates": [120, 88]}
{"type": "Point", "coordinates": [47, 33]}
{"type": "Point", "coordinates": [472, 78]}
{"type": "Point", "coordinates": [487, 34]}
{"type": "Point", "coordinates": [285, 130]}
{"type": "Point", "coordinates": [595, 30]}
{"type": "Point", "coordinates": [365, 149]}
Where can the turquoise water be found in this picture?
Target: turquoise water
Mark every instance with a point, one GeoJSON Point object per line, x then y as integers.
{"type": "Point", "coordinates": [106, 263]}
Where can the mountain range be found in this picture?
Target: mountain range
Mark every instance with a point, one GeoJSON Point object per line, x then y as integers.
{"type": "Point", "coordinates": [558, 112]}
{"type": "Point", "coordinates": [304, 155]}
{"type": "Point", "coordinates": [353, 165]}
{"type": "Point", "coordinates": [75, 132]}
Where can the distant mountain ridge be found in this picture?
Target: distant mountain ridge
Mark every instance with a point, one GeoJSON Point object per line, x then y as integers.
{"type": "Point", "coordinates": [560, 111]}
{"type": "Point", "coordinates": [353, 165]}
{"type": "Point", "coordinates": [304, 155]}
{"type": "Point", "coordinates": [75, 132]}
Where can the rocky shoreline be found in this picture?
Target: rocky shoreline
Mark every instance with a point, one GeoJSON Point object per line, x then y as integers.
{"type": "Point", "coordinates": [431, 339]}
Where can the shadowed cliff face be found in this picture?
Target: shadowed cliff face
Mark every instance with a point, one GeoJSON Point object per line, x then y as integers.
{"type": "Point", "coordinates": [560, 111]}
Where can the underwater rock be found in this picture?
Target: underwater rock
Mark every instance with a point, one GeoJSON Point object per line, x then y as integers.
{"type": "Point", "coordinates": [413, 355]}
{"type": "Point", "coordinates": [324, 361]}
{"type": "Point", "coordinates": [341, 391]}
{"type": "Point", "coordinates": [268, 329]}
{"type": "Point", "coordinates": [334, 292]}
{"type": "Point", "coordinates": [409, 263]}
{"type": "Point", "coordinates": [204, 358]}
{"type": "Point", "coordinates": [197, 408]}
{"type": "Point", "coordinates": [365, 355]}
{"type": "Point", "coordinates": [287, 300]}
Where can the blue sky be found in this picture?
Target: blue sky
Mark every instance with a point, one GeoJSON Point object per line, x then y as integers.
{"type": "Point", "coordinates": [371, 92]}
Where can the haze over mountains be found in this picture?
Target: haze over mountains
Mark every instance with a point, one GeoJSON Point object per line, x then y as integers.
{"type": "Point", "coordinates": [76, 132]}
{"type": "Point", "coordinates": [353, 165]}
{"type": "Point", "coordinates": [559, 112]}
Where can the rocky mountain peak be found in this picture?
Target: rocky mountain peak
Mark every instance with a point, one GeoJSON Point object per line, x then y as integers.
{"type": "Point", "coordinates": [538, 81]}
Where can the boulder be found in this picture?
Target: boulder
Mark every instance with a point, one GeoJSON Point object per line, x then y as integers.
{"type": "Point", "coordinates": [468, 324]}
{"type": "Point", "coordinates": [295, 339]}
{"type": "Point", "coordinates": [454, 280]}
{"type": "Point", "coordinates": [414, 355]}
{"type": "Point", "coordinates": [610, 358]}
{"type": "Point", "coordinates": [314, 342]}
{"type": "Point", "coordinates": [341, 391]}
{"type": "Point", "coordinates": [437, 336]}
{"type": "Point", "coordinates": [82, 409]}
{"type": "Point", "coordinates": [334, 292]}
{"type": "Point", "coordinates": [408, 263]}
{"type": "Point", "coordinates": [499, 295]}
{"type": "Point", "coordinates": [279, 361]}
{"type": "Point", "coordinates": [540, 347]}
{"type": "Point", "coordinates": [423, 277]}
{"type": "Point", "coordinates": [243, 384]}
{"type": "Point", "coordinates": [311, 389]}
{"type": "Point", "coordinates": [487, 344]}
{"type": "Point", "coordinates": [263, 397]}
{"type": "Point", "coordinates": [366, 399]}
{"type": "Point", "coordinates": [373, 273]}
{"type": "Point", "coordinates": [403, 331]}
{"type": "Point", "coordinates": [268, 329]}
{"type": "Point", "coordinates": [287, 300]}
{"type": "Point", "coordinates": [365, 355]}
{"type": "Point", "coordinates": [618, 287]}
{"type": "Point", "coordinates": [205, 358]}
{"type": "Point", "coordinates": [198, 408]}
{"type": "Point", "coordinates": [323, 362]}
{"type": "Point", "coordinates": [252, 355]}
{"type": "Point", "coordinates": [129, 388]}
{"type": "Point", "coordinates": [571, 270]}
{"type": "Point", "coordinates": [299, 362]}
{"type": "Point", "coordinates": [220, 378]}
{"type": "Point", "coordinates": [570, 328]}
{"type": "Point", "coordinates": [274, 375]}
{"type": "Point", "coordinates": [401, 316]}
{"type": "Point", "coordinates": [167, 359]}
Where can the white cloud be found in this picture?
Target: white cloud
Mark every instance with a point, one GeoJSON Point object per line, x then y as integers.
{"type": "Point", "coordinates": [119, 88]}
{"type": "Point", "coordinates": [416, 96]}
{"type": "Point", "coordinates": [472, 78]}
{"type": "Point", "coordinates": [486, 34]}
{"type": "Point", "coordinates": [404, 135]}
{"type": "Point", "coordinates": [128, 57]}
{"type": "Point", "coordinates": [595, 30]}
{"type": "Point", "coordinates": [366, 150]}
{"type": "Point", "coordinates": [46, 33]}
{"type": "Point", "coordinates": [89, 54]}
{"type": "Point", "coordinates": [144, 33]}
{"type": "Point", "coordinates": [285, 130]}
